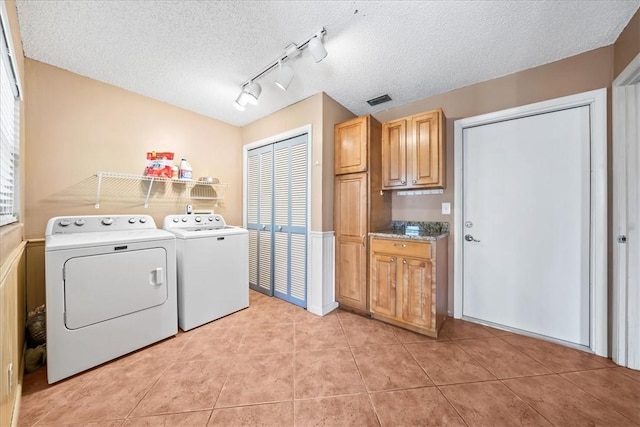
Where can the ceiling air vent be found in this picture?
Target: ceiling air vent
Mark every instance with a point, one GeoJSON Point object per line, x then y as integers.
{"type": "Point", "coordinates": [379, 100]}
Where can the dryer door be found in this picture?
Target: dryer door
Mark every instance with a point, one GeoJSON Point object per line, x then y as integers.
{"type": "Point", "coordinates": [101, 287]}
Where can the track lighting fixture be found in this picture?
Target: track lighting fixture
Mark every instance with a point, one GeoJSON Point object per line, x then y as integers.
{"type": "Point", "coordinates": [285, 75]}
{"type": "Point", "coordinates": [241, 102]}
{"type": "Point", "coordinates": [251, 90]}
{"type": "Point", "coordinates": [317, 48]}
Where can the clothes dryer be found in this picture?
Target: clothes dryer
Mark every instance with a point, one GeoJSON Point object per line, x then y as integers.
{"type": "Point", "coordinates": [110, 289]}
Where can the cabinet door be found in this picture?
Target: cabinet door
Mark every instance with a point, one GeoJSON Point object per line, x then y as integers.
{"type": "Point", "coordinates": [383, 284]}
{"type": "Point", "coordinates": [351, 274]}
{"type": "Point", "coordinates": [416, 291]}
{"type": "Point", "coordinates": [351, 146]}
{"type": "Point", "coordinates": [427, 150]}
{"type": "Point", "coordinates": [394, 154]}
{"type": "Point", "coordinates": [351, 251]}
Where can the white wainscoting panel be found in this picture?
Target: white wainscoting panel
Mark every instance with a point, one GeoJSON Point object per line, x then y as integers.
{"type": "Point", "coordinates": [321, 280]}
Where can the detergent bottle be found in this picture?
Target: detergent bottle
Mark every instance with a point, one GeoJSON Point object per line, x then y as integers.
{"type": "Point", "coordinates": [185, 172]}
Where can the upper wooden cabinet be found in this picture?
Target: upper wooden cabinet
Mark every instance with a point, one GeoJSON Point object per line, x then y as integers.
{"type": "Point", "coordinates": [413, 152]}
{"type": "Point", "coordinates": [351, 146]}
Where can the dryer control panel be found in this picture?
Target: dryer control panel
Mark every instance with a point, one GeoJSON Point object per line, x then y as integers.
{"type": "Point", "coordinates": [94, 223]}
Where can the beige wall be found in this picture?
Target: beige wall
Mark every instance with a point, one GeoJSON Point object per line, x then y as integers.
{"type": "Point", "coordinates": [580, 73]}
{"type": "Point", "coordinates": [321, 112]}
{"type": "Point", "coordinates": [627, 46]}
{"type": "Point", "coordinates": [76, 126]}
{"type": "Point", "coordinates": [587, 71]}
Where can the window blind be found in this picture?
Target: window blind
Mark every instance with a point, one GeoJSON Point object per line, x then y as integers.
{"type": "Point", "coordinates": [9, 132]}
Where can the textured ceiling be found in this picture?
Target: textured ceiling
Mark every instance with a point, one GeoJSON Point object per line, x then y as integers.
{"type": "Point", "coordinates": [196, 54]}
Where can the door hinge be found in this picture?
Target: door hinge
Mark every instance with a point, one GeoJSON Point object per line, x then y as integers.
{"type": "Point", "coordinates": [622, 239]}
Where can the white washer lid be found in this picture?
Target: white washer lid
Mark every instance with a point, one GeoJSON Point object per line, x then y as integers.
{"type": "Point", "coordinates": [204, 232]}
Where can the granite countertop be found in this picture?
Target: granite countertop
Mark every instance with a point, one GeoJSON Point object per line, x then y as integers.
{"type": "Point", "coordinates": [429, 230]}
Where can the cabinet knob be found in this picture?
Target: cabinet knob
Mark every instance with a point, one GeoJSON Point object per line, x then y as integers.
{"type": "Point", "coordinates": [403, 182]}
{"type": "Point", "coordinates": [402, 245]}
{"type": "Point", "coordinates": [414, 181]}
{"type": "Point", "coordinates": [404, 261]}
{"type": "Point", "coordinates": [363, 168]}
{"type": "Point", "coordinates": [393, 260]}
{"type": "Point", "coordinates": [264, 227]}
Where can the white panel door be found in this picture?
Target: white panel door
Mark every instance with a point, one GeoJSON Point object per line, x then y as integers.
{"type": "Point", "coordinates": [526, 206]}
{"type": "Point", "coordinates": [290, 225]}
{"type": "Point", "coordinates": [277, 181]}
{"type": "Point", "coordinates": [260, 217]}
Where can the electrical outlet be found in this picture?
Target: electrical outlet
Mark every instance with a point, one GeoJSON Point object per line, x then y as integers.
{"type": "Point", "coordinates": [446, 209]}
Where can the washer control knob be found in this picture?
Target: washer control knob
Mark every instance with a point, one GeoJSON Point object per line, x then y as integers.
{"type": "Point", "coordinates": [210, 218]}
{"type": "Point", "coordinates": [184, 219]}
{"type": "Point", "coordinates": [198, 219]}
{"type": "Point", "coordinates": [107, 221]}
{"type": "Point", "coordinates": [176, 220]}
{"type": "Point", "coordinates": [143, 220]}
{"type": "Point", "coordinates": [80, 222]}
{"type": "Point", "coordinates": [132, 220]}
{"type": "Point", "coordinates": [64, 222]}
{"type": "Point", "coordinates": [218, 218]}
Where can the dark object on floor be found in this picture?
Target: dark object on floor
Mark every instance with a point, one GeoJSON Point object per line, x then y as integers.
{"type": "Point", "coordinates": [35, 358]}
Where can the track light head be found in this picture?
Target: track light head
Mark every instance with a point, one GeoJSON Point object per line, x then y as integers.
{"type": "Point", "coordinates": [285, 75]}
{"type": "Point", "coordinates": [317, 48]}
{"type": "Point", "coordinates": [241, 101]}
{"type": "Point", "coordinates": [253, 91]}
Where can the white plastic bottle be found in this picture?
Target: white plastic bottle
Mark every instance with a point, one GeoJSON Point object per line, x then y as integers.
{"type": "Point", "coordinates": [185, 172]}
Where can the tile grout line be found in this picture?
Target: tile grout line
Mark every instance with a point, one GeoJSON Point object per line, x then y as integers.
{"type": "Point", "coordinates": [522, 399]}
{"type": "Point", "coordinates": [353, 357]}
{"type": "Point", "coordinates": [434, 383]}
{"type": "Point", "coordinates": [595, 397]}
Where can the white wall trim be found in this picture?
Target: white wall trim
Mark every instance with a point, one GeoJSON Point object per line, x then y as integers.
{"type": "Point", "coordinates": [625, 340]}
{"type": "Point", "coordinates": [597, 100]}
{"type": "Point", "coordinates": [321, 283]}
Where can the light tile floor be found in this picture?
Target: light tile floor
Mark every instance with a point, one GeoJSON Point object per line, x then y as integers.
{"type": "Point", "coordinates": [276, 364]}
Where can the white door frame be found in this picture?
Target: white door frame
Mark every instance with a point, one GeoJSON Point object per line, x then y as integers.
{"type": "Point", "coordinates": [597, 100]}
{"type": "Point", "coordinates": [626, 289]}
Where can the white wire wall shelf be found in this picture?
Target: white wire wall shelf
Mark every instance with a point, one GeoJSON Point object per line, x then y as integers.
{"type": "Point", "coordinates": [122, 185]}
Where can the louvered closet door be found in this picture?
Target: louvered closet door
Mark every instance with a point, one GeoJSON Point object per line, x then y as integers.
{"type": "Point", "coordinates": [290, 220]}
{"type": "Point", "coordinates": [260, 217]}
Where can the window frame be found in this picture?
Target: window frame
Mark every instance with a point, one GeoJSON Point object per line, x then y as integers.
{"type": "Point", "coordinates": [7, 56]}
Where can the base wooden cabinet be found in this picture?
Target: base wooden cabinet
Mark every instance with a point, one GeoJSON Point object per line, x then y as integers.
{"type": "Point", "coordinates": [359, 206]}
{"type": "Point", "coordinates": [409, 283]}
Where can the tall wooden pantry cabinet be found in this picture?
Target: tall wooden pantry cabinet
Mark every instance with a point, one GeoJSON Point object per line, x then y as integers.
{"type": "Point", "coordinates": [360, 206]}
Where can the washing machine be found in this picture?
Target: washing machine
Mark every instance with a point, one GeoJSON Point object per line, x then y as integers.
{"type": "Point", "coordinates": [111, 288]}
{"type": "Point", "coordinates": [213, 267]}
